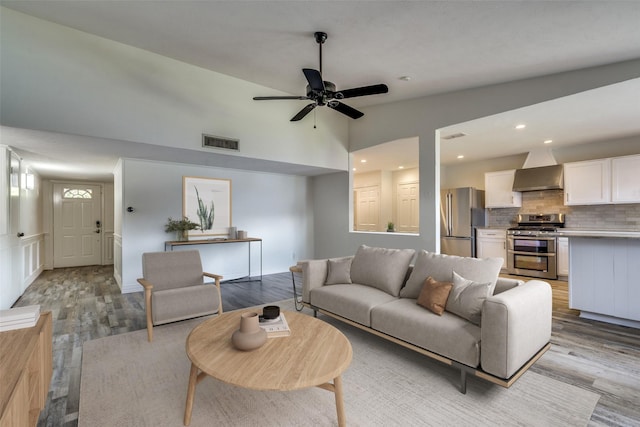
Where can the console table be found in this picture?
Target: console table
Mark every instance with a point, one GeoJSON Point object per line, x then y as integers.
{"type": "Point", "coordinates": [25, 368]}
{"type": "Point", "coordinates": [169, 245]}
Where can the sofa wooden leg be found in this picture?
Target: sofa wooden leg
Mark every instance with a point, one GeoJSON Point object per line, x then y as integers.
{"type": "Point", "coordinates": [463, 381]}
{"type": "Point", "coordinates": [315, 313]}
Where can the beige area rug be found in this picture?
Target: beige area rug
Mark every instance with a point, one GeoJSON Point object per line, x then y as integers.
{"type": "Point", "coordinates": [127, 381]}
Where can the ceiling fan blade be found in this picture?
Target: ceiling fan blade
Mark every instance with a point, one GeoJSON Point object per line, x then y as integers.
{"type": "Point", "coordinates": [314, 78]}
{"type": "Point", "coordinates": [268, 98]}
{"type": "Point", "coordinates": [364, 91]}
{"type": "Point", "coordinates": [345, 109]}
{"type": "Point", "coordinates": [306, 110]}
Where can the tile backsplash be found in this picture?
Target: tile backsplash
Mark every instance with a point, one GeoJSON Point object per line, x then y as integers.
{"type": "Point", "coordinates": [601, 217]}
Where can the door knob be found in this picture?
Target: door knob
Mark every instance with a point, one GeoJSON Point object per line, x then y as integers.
{"type": "Point", "coordinates": [20, 234]}
{"type": "Point", "coordinates": [98, 231]}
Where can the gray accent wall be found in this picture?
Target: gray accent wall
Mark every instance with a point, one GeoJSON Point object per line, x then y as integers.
{"type": "Point", "coordinates": [422, 117]}
{"type": "Point", "coordinates": [274, 207]}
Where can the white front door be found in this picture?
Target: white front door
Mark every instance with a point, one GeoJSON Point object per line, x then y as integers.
{"type": "Point", "coordinates": [77, 224]}
{"type": "Point", "coordinates": [408, 208]}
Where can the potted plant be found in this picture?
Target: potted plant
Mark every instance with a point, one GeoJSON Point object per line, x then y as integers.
{"type": "Point", "coordinates": [181, 227]}
{"type": "Point", "coordinates": [391, 226]}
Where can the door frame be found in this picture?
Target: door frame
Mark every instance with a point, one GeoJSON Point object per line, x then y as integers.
{"type": "Point", "coordinates": [48, 207]}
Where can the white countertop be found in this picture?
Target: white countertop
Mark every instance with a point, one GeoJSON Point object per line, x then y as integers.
{"type": "Point", "coordinates": [577, 232]}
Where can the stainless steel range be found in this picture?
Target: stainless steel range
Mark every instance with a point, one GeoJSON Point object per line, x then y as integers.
{"type": "Point", "coordinates": [531, 246]}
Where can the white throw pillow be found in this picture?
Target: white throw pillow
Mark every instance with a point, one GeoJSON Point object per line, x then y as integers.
{"type": "Point", "coordinates": [466, 298]}
{"type": "Point", "coordinates": [338, 271]}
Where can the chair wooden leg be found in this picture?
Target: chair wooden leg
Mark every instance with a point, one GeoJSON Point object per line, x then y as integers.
{"type": "Point", "coordinates": [147, 302]}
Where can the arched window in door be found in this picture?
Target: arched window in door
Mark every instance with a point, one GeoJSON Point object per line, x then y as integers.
{"type": "Point", "coordinates": [77, 193]}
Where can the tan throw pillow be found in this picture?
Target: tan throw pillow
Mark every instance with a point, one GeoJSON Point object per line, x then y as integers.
{"type": "Point", "coordinates": [339, 271]}
{"type": "Point", "coordinates": [466, 298]}
{"type": "Point", "coordinates": [434, 294]}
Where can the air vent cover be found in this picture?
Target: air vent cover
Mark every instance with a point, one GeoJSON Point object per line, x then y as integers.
{"type": "Point", "coordinates": [220, 142]}
{"type": "Point", "coordinates": [455, 135]}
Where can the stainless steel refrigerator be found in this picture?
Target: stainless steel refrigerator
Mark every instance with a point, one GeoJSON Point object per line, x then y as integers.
{"type": "Point", "coordinates": [461, 211]}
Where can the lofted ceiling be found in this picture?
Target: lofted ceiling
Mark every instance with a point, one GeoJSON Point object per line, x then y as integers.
{"type": "Point", "coordinates": [442, 46]}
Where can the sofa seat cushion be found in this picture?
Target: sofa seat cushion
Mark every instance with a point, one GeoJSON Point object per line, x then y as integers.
{"type": "Point", "coordinates": [381, 268]}
{"type": "Point", "coordinates": [171, 305]}
{"type": "Point", "coordinates": [441, 268]}
{"type": "Point", "coordinates": [447, 335]}
{"type": "Point", "coordinates": [353, 301]}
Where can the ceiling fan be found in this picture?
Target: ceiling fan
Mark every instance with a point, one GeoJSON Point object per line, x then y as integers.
{"type": "Point", "coordinates": [324, 93]}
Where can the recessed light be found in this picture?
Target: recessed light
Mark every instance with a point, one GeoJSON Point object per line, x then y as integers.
{"type": "Point", "coordinates": [404, 78]}
{"type": "Point", "coordinates": [354, 169]}
{"type": "Point", "coordinates": [400, 167]}
{"type": "Point", "coordinates": [548, 141]}
{"type": "Point", "coordinates": [521, 126]}
{"type": "Point", "coordinates": [363, 161]}
{"type": "Point", "coordinates": [460, 156]}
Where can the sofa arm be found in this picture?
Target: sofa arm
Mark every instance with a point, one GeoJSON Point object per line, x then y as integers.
{"type": "Point", "coordinates": [516, 324]}
{"type": "Point", "coordinates": [314, 275]}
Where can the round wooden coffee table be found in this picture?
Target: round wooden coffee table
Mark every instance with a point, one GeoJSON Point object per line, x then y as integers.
{"type": "Point", "coordinates": [313, 355]}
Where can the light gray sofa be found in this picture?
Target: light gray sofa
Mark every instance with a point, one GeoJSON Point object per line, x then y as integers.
{"type": "Point", "coordinates": [377, 290]}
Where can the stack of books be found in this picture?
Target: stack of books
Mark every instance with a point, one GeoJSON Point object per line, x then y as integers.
{"type": "Point", "coordinates": [18, 318]}
{"type": "Point", "coordinates": [277, 327]}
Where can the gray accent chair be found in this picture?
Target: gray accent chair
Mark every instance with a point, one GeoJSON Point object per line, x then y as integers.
{"type": "Point", "coordinates": [174, 288]}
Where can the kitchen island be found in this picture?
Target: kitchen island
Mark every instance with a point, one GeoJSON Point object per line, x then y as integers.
{"type": "Point", "coordinates": [604, 275]}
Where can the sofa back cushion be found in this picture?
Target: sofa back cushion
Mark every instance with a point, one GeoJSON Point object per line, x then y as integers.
{"type": "Point", "coordinates": [441, 268]}
{"type": "Point", "coordinates": [381, 268]}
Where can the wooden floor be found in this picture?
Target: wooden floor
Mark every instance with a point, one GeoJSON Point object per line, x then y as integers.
{"type": "Point", "coordinates": [87, 304]}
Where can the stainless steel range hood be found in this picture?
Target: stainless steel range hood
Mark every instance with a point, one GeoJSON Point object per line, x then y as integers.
{"type": "Point", "coordinates": [540, 178]}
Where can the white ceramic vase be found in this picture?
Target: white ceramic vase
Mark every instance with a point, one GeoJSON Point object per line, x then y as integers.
{"type": "Point", "coordinates": [250, 335]}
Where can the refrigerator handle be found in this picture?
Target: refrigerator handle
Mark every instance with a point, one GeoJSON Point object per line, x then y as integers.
{"type": "Point", "coordinates": [449, 214]}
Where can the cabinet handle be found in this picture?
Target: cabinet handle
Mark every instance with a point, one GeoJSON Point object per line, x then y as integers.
{"type": "Point", "coordinates": [566, 196]}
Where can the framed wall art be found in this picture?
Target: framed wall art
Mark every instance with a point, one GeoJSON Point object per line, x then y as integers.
{"type": "Point", "coordinates": [207, 202]}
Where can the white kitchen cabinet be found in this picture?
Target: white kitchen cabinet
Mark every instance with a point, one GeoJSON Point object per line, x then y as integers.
{"type": "Point", "coordinates": [603, 279]}
{"type": "Point", "coordinates": [492, 243]}
{"type": "Point", "coordinates": [563, 256]}
{"type": "Point", "coordinates": [498, 190]}
{"type": "Point", "coordinates": [587, 183]}
{"type": "Point", "coordinates": [625, 179]}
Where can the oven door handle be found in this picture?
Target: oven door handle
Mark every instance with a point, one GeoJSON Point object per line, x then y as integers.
{"type": "Point", "coordinates": [544, 254]}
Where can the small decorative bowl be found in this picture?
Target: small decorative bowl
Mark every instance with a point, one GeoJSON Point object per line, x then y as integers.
{"type": "Point", "coordinates": [270, 312]}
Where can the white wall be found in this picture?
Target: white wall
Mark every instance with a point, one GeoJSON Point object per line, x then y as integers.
{"type": "Point", "coordinates": [62, 80]}
{"type": "Point", "coordinates": [423, 117]}
{"type": "Point", "coordinates": [274, 207]}
{"type": "Point", "coordinates": [21, 258]}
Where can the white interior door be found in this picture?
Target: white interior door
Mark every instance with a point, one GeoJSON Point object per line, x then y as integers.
{"type": "Point", "coordinates": [408, 208]}
{"type": "Point", "coordinates": [77, 224]}
{"type": "Point", "coordinates": [367, 209]}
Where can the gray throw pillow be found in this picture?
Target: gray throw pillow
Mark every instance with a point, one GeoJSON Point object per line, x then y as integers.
{"type": "Point", "coordinates": [466, 298]}
{"type": "Point", "coordinates": [338, 271]}
{"type": "Point", "coordinates": [440, 267]}
{"type": "Point", "coordinates": [381, 268]}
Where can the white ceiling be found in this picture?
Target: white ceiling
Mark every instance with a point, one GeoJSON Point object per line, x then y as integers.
{"type": "Point", "coordinates": [444, 46]}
